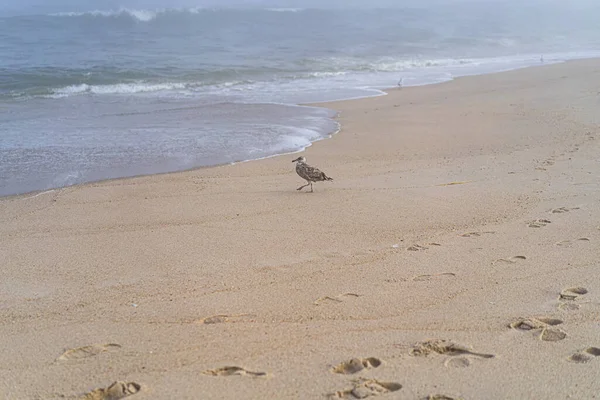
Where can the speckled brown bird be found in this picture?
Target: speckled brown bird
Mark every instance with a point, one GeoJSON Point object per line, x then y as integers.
{"type": "Point", "coordinates": [308, 173]}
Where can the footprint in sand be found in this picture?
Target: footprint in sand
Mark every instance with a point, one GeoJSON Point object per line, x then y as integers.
{"type": "Point", "coordinates": [511, 260]}
{"type": "Point", "coordinates": [356, 365]}
{"type": "Point", "coordinates": [88, 351]}
{"type": "Point", "coordinates": [585, 356]}
{"type": "Point", "coordinates": [539, 223]}
{"type": "Point", "coordinates": [363, 388]}
{"type": "Point", "coordinates": [335, 299]}
{"type": "Point", "coordinates": [118, 390]}
{"type": "Point", "coordinates": [443, 275]}
{"type": "Point", "coordinates": [418, 247]}
{"type": "Point", "coordinates": [568, 306]}
{"type": "Point", "coordinates": [546, 163]}
{"type": "Point", "coordinates": [444, 347]}
{"type": "Point", "coordinates": [457, 362]}
{"type": "Point", "coordinates": [569, 243]}
{"type": "Point", "coordinates": [528, 324]}
{"type": "Point", "coordinates": [231, 371]}
{"type": "Point", "coordinates": [221, 318]}
{"type": "Point", "coordinates": [543, 326]}
{"type": "Point", "coordinates": [561, 210]}
{"type": "Point", "coordinates": [454, 183]}
{"type": "Point", "coordinates": [572, 293]}
{"type": "Point", "coordinates": [477, 234]}
{"type": "Point", "coordinates": [552, 335]}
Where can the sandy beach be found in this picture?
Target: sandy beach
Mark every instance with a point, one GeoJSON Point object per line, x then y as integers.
{"type": "Point", "coordinates": [455, 253]}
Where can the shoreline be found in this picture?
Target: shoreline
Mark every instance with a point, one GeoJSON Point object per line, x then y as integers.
{"type": "Point", "coordinates": [322, 105]}
{"type": "Point", "coordinates": [456, 245]}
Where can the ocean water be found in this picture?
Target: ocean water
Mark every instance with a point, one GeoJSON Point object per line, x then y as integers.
{"type": "Point", "coordinates": [91, 94]}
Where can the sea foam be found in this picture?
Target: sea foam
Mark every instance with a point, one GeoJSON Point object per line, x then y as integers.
{"type": "Point", "coordinates": [294, 10]}
{"type": "Point", "coordinates": [119, 88]}
{"type": "Point", "coordinates": [141, 15]}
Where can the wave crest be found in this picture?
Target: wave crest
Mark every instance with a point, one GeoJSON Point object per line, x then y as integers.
{"type": "Point", "coordinates": [119, 88]}
{"type": "Point", "coordinates": [335, 66]}
{"type": "Point", "coordinates": [294, 10]}
{"type": "Point", "coordinates": [144, 15]}
{"type": "Point", "coordinates": [141, 15]}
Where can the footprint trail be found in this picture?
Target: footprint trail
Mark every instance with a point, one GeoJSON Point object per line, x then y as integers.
{"type": "Point", "coordinates": [88, 351]}
{"type": "Point", "coordinates": [539, 223]}
{"type": "Point", "coordinates": [356, 365]}
{"type": "Point", "coordinates": [117, 390]}
{"type": "Point", "coordinates": [335, 299]}
{"type": "Point", "coordinates": [585, 356]}
{"type": "Point", "coordinates": [544, 326]}
{"type": "Point", "coordinates": [231, 371]}
{"type": "Point", "coordinates": [572, 293]}
{"type": "Point", "coordinates": [443, 275]}
{"type": "Point", "coordinates": [444, 347]}
{"type": "Point", "coordinates": [364, 388]}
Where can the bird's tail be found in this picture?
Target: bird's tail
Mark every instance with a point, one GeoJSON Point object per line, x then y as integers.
{"type": "Point", "coordinates": [328, 178]}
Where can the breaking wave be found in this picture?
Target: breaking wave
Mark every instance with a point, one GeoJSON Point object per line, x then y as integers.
{"type": "Point", "coordinates": [285, 9]}
{"type": "Point", "coordinates": [146, 15]}
{"type": "Point", "coordinates": [339, 65]}
{"type": "Point", "coordinates": [45, 82]}
{"type": "Point", "coordinates": [119, 88]}
{"type": "Point", "coordinates": [138, 15]}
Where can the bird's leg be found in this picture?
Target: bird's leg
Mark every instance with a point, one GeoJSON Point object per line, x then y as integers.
{"type": "Point", "coordinates": [311, 189]}
{"type": "Point", "coordinates": [302, 187]}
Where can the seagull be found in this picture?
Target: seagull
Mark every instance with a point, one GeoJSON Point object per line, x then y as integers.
{"type": "Point", "coordinates": [308, 173]}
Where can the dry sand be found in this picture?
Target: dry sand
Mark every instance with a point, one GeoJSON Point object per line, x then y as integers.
{"type": "Point", "coordinates": [457, 210]}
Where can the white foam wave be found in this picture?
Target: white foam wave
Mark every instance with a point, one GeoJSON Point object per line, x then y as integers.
{"type": "Point", "coordinates": [197, 10]}
{"type": "Point", "coordinates": [336, 66]}
{"type": "Point", "coordinates": [141, 15]}
{"type": "Point", "coordinates": [389, 65]}
{"type": "Point", "coordinates": [448, 62]}
{"type": "Point", "coordinates": [327, 74]}
{"type": "Point", "coordinates": [119, 88]}
{"type": "Point", "coordinates": [285, 9]}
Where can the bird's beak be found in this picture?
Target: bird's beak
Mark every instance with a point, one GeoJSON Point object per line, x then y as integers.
{"type": "Point", "coordinates": [295, 160]}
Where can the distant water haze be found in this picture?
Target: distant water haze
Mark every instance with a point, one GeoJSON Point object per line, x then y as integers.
{"type": "Point", "coordinates": [92, 90]}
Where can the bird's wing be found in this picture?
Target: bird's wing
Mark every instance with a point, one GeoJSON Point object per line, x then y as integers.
{"type": "Point", "coordinates": [314, 173]}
